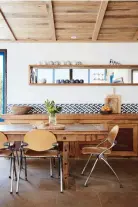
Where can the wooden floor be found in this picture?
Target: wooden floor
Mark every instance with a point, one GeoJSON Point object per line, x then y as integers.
{"type": "Point", "coordinates": [103, 190]}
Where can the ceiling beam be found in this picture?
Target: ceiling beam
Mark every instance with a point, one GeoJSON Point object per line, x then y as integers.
{"type": "Point", "coordinates": [99, 20]}
{"type": "Point", "coordinates": [7, 23]}
{"type": "Point", "coordinates": [51, 19]}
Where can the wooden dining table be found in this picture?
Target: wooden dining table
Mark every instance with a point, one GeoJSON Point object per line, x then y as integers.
{"type": "Point", "coordinates": [71, 133]}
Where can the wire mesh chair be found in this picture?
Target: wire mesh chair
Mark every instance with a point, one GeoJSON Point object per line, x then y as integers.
{"type": "Point", "coordinates": [39, 144]}
{"type": "Point", "coordinates": [7, 151]}
{"type": "Point", "coordinates": [99, 152]}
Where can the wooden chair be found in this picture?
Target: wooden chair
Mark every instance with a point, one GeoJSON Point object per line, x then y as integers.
{"type": "Point", "coordinates": [40, 144]}
{"type": "Point", "coordinates": [100, 151]}
{"type": "Point", "coordinates": [7, 151]}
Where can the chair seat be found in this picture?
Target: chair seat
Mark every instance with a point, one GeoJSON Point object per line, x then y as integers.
{"type": "Point", "coordinates": [94, 150]}
{"type": "Point", "coordinates": [48, 153]}
{"type": "Point", "coordinates": [5, 153]}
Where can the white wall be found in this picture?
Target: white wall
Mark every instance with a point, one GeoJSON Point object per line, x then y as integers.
{"type": "Point", "coordinates": [20, 55]}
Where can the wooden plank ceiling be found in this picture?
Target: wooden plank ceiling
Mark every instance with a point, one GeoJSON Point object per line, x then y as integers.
{"type": "Point", "coordinates": [69, 21]}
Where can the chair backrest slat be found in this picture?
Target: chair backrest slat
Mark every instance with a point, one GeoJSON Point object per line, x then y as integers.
{"type": "Point", "coordinates": [113, 134]}
{"type": "Point", "coordinates": [39, 140]}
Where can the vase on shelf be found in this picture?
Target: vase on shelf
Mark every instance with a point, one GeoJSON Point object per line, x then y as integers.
{"type": "Point", "coordinates": [52, 119]}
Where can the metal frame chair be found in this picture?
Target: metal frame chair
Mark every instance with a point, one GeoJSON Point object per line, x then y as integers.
{"type": "Point", "coordinates": [7, 151]}
{"type": "Point", "coordinates": [39, 144]}
{"type": "Point", "coordinates": [100, 152]}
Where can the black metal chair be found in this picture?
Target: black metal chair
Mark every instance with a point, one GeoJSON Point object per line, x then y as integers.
{"type": "Point", "coordinates": [39, 144]}
{"type": "Point", "coordinates": [7, 151]}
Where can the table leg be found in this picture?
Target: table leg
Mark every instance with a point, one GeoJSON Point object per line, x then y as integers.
{"type": "Point", "coordinates": [66, 164]}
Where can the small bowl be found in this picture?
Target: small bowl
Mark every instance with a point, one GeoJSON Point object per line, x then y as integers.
{"type": "Point", "coordinates": [20, 110]}
{"type": "Point", "coordinates": [77, 81]}
{"type": "Point", "coordinates": [58, 81]}
{"type": "Point", "coordinates": [72, 81]}
{"type": "Point", "coordinates": [105, 112]}
{"type": "Point", "coordinates": [67, 81]}
{"type": "Point", "coordinates": [43, 80]}
{"type": "Point", "coordinates": [62, 81]}
{"type": "Point", "coordinates": [81, 81]}
{"type": "Point", "coordinates": [56, 63]}
{"type": "Point", "coordinates": [67, 63]}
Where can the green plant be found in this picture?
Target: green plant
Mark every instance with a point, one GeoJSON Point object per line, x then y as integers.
{"type": "Point", "coordinates": [52, 108]}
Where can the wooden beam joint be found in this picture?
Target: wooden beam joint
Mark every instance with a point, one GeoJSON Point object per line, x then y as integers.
{"type": "Point", "coordinates": [8, 25]}
{"type": "Point", "coordinates": [49, 7]}
{"type": "Point", "coordinates": [100, 17]}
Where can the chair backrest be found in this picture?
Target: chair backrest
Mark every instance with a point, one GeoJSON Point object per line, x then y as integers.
{"type": "Point", "coordinates": [3, 139]}
{"type": "Point", "coordinates": [39, 140]}
{"type": "Point", "coordinates": [113, 134]}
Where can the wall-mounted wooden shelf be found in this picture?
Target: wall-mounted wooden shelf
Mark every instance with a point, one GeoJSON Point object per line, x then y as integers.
{"type": "Point", "coordinates": [86, 66]}
{"type": "Point", "coordinates": [83, 84]}
{"type": "Point", "coordinates": [80, 67]}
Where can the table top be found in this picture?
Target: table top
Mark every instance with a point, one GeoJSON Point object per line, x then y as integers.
{"type": "Point", "coordinates": [69, 129]}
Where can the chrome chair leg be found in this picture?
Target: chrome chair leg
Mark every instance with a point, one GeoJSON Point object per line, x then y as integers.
{"type": "Point", "coordinates": [10, 167]}
{"type": "Point", "coordinates": [12, 172]}
{"type": "Point", "coordinates": [51, 168]}
{"type": "Point", "coordinates": [85, 184]}
{"type": "Point", "coordinates": [18, 176]}
{"type": "Point", "coordinates": [17, 157]}
{"type": "Point", "coordinates": [59, 167]}
{"type": "Point", "coordinates": [14, 165]}
{"type": "Point", "coordinates": [61, 175]}
{"type": "Point", "coordinates": [21, 160]}
{"type": "Point", "coordinates": [86, 164]}
{"type": "Point", "coordinates": [121, 186]}
{"type": "Point", "coordinates": [25, 162]}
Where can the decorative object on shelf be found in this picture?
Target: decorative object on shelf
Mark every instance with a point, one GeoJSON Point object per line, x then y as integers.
{"type": "Point", "coordinates": [74, 62]}
{"type": "Point", "coordinates": [62, 81]}
{"type": "Point", "coordinates": [52, 110]}
{"type": "Point", "coordinates": [111, 77]}
{"type": "Point", "coordinates": [114, 62]}
{"type": "Point", "coordinates": [57, 81]}
{"type": "Point", "coordinates": [77, 81]}
{"type": "Point", "coordinates": [81, 81]}
{"type": "Point", "coordinates": [106, 109]}
{"type": "Point", "coordinates": [119, 80]}
{"type": "Point", "coordinates": [78, 63]}
{"type": "Point", "coordinates": [67, 62]}
{"type": "Point", "coordinates": [72, 81]}
{"type": "Point", "coordinates": [56, 63]}
{"type": "Point", "coordinates": [43, 80]}
{"type": "Point", "coordinates": [114, 101]}
{"type": "Point", "coordinates": [20, 110]}
{"type": "Point", "coordinates": [62, 62]}
{"type": "Point", "coordinates": [67, 81]}
{"type": "Point", "coordinates": [51, 63]}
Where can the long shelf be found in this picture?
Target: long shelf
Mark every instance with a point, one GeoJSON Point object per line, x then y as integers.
{"type": "Point", "coordinates": [80, 67]}
{"type": "Point", "coordinates": [85, 66]}
{"type": "Point", "coordinates": [83, 84]}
